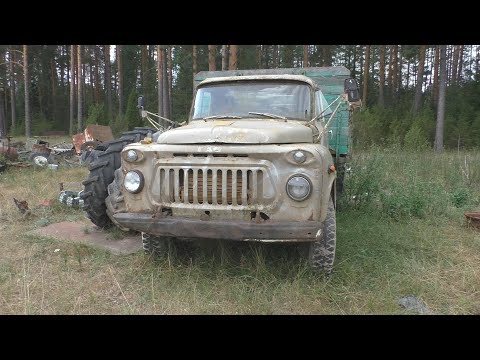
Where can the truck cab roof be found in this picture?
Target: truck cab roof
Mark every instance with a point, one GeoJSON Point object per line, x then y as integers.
{"type": "Point", "coordinates": [300, 78]}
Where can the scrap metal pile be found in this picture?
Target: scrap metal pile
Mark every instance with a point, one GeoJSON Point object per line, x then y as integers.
{"type": "Point", "coordinates": [38, 152]}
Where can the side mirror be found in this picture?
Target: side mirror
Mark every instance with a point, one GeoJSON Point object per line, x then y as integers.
{"type": "Point", "coordinates": [141, 102]}
{"type": "Point", "coordinates": [352, 90]}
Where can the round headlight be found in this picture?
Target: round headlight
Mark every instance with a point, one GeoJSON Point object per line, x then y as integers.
{"type": "Point", "coordinates": [132, 155]}
{"type": "Point", "coordinates": [133, 181]}
{"type": "Point", "coordinates": [298, 188]}
{"type": "Point", "coordinates": [299, 157]}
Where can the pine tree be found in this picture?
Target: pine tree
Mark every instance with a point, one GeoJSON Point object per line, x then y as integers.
{"type": "Point", "coordinates": [26, 79]}
{"type": "Point", "coordinates": [80, 90]}
{"type": "Point", "coordinates": [441, 100]}
{"type": "Point", "coordinates": [418, 89]}
{"type": "Point", "coordinates": [233, 57]}
{"type": "Point", "coordinates": [381, 84]}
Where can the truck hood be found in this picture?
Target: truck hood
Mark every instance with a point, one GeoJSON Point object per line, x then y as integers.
{"type": "Point", "coordinates": [238, 132]}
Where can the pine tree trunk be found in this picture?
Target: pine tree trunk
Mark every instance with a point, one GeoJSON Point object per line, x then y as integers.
{"type": "Point", "coordinates": [115, 73]}
{"type": "Point", "coordinates": [400, 69]}
{"type": "Point", "coordinates": [394, 88]}
{"type": "Point", "coordinates": [97, 75]}
{"type": "Point", "coordinates": [13, 96]}
{"type": "Point", "coordinates": [275, 56]}
{"type": "Point", "coordinates": [108, 82]}
{"type": "Point", "coordinates": [305, 56]}
{"type": "Point", "coordinates": [441, 101]}
{"type": "Point", "coordinates": [91, 73]}
{"type": "Point", "coordinates": [259, 56]}
{"type": "Point", "coordinates": [456, 49]}
{"type": "Point", "coordinates": [419, 85]}
{"type": "Point", "coordinates": [3, 120]}
{"type": "Point", "coordinates": [353, 71]}
{"type": "Point", "coordinates": [62, 69]}
{"type": "Point", "coordinates": [194, 64]}
{"type": "Point", "coordinates": [408, 75]}
{"type": "Point", "coordinates": [26, 79]}
{"type": "Point", "coordinates": [144, 69]}
{"type": "Point", "coordinates": [435, 75]}
{"type": "Point", "coordinates": [288, 56]}
{"type": "Point", "coordinates": [72, 89]}
{"type": "Point", "coordinates": [211, 57]}
{"type": "Point", "coordinates": [365, 75]}
{"type": "Point", "coordinates": [266, 55]}
{"type": "Point", "coordinates": [224, 57]}
{"type": "Point", "coordinates": [391, 49]}
{"type": "Point", "coordinates": [80, 89]}
{"type": "Point", "coordinates": [233, 57]}
{"type": "Point", "coordinates": [166, 95]}
{"type": "Point", "coordinates": [460, 63]}
{"type": "Point", "coordinates": [327, 55]}
{"type": "Point", "coordinates": [381, 97]}
{"type": "Point", "coordinates": [170, 79]}
{"type": "Point", "coordinates": [53, 70]}
{"type": "Point", "coordinates": [120, 80]}
{"type": "Point", "coordinates": [160, 82]}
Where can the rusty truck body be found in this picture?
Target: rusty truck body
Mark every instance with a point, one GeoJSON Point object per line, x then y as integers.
{"type": "Point", "coordinates": [254, 162]}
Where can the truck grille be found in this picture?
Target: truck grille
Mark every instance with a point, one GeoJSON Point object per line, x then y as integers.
{"type": "Point", "coordinates": [195, 185]}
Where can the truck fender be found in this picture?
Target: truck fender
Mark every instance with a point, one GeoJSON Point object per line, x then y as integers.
{"type": "Point", "coordinates": [329, 189]}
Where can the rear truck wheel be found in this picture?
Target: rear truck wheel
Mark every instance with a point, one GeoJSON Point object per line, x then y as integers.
{"type": "Point", "coordinates": [155, 246]}
{"type": "Point", "coordinates": [321, 253]}
{"type": "Point", "coordinates": [102, 174]}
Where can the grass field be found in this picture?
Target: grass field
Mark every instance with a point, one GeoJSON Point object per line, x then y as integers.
{"type": "Point", "coordinates": [401, 231]}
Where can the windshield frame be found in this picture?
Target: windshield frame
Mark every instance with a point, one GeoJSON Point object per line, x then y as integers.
{"type": "Point", "coordinates": [236, 81]}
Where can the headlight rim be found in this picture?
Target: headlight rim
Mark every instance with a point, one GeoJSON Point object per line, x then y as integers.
{"type": "Point", "coordinates": [142, 181]}
{"type": "Point", "coordinates": [304, 156]}
{"type": "Point", "coordinates": [136, 155]}
{"type": "Point", "coordinates": [309, 189]}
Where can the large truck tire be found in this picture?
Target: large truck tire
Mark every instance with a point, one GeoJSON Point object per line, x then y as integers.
{"type": "Point", "coordinates": [322, 252]}
{"type": "Point", "coordinates": [102, 172]}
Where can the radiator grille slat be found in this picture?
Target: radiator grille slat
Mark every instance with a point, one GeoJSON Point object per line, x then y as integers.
{"type": "Point", "coordinates": [199, 185]}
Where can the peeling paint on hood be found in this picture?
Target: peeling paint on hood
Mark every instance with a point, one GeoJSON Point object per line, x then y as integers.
{"type": "Point", "coordinates": [238, 132]}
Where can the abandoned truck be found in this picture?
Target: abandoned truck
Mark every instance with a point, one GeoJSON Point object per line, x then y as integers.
{"type": "Point", "coordinates": [257, 160]}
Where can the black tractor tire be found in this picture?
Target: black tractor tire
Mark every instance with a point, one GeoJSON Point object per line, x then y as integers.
{"type": "Point", "coordinates": [101, 175]}
{"type": "Point", "coordinates": [322, 252]}
{"type": "Point", "coordinates": [155, 246]}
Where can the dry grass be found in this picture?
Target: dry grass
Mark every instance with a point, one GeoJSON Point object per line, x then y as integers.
{"type": "Point", "coordinates": [379, 260]}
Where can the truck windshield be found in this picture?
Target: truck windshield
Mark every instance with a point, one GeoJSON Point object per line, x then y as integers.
{"type": "Point", "coordinates": [242, 98]}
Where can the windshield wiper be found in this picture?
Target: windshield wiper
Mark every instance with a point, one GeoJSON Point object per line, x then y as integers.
{"type": "Point", "coordinates": [273, 116]}
{"type": "Point", "coordinates": [222, 117]}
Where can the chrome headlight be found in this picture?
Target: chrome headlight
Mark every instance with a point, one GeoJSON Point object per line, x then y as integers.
{"type": "Point", "coordinates": [133, 181]}
{"type": "Point", "coordinates": [298, 187]}
{"type": "Point", "coordinates": [132, 155]}
{"type": "Point", "coordinates": [299, 157]}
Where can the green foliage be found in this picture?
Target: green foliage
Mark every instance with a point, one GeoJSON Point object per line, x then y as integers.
{"type": "Point", "coordinates": [132, 114]}
{"type": "Point", "coordinates": [402, 185]}
{"type": "Point", "coordinates": [119, 125]}
{"type": "Point", "coordinates": [460, 196]}
{"type": "Point", "coordinates": [97, 115]}
{"type": "Point", "coordinates": [40, 124]}
{"type": "Point", "coordinates": [415, 139]}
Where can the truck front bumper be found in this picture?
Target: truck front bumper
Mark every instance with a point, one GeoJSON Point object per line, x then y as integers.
{"type": "Point", "coordinates": [281, 231]}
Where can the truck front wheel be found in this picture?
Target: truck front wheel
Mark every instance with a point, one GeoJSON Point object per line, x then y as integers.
{"type": "Point", "coordinates": [322, 252]}
{"type": "Point", "coordinates": [155, 245]}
